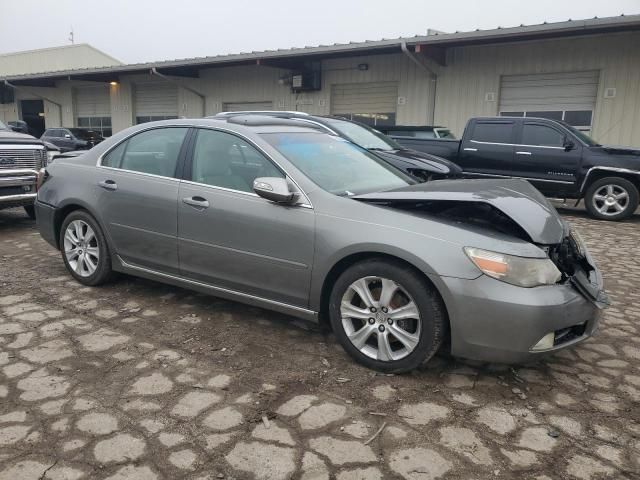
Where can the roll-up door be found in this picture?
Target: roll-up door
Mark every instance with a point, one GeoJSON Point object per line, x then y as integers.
{"type": "Point", "coordinates": [93, 108]}
{"type": "Point", "coordinates": [155, 101]}
{"type": "Point", "coordinates": [568, 96]}
{"type": "Point", "coordinates": [373, 103]}
{"type": "Point", "coordinates": [247, 106]}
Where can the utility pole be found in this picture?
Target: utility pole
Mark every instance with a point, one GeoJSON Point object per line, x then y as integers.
{"type": "Point", "coordinates": [71, 38]}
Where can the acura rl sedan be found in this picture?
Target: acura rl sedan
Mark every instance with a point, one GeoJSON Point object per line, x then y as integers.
{"type": "Point", "coordinates": [280, 214]}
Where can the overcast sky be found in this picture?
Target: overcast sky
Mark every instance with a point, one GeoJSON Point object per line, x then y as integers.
{"type": "Point", "coordinates": [146, 30]}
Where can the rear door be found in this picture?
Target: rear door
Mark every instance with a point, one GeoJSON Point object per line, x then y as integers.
{"type": "Point", "coordinates": [541, 157]}
{"type": "Point", "coordinates": [231, 238]}
{"type": "Point", "coordinates": [137, 194]}
{"type": "Point", "coordinates": [487, 149]}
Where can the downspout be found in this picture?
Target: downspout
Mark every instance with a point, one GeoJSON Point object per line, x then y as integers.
{"type": "Point", "coordinates": [433, 76]}
{"type": "Point", "coordinates": [41, 97]}
{"type": "Point", "coordinates": [155, 72]}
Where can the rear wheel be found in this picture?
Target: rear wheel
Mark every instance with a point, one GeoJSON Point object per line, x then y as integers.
{"type": "Point", "coordinates": [84, 249]}
{"type": "Point", "coordinates": [31, 211]}
{"type": "Point", "coordinates": [386, 316]}
{"type": "Point", "coordinates": [611, 198]}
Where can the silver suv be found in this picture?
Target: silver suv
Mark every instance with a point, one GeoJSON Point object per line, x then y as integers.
{"type": "Point", "coordinates": [279, 214]}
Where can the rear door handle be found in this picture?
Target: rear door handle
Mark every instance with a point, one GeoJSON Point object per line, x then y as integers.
{"type": "Point", "coordinates": [523, 153]}
{"type": "Point", "coordinates": [108, 185]}
{"type": "Point", "coordinates": [468, 149]}
{"type": "Point", "coordinates": [197, 202]}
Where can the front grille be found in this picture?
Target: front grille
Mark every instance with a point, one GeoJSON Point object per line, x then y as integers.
{"type": "Point", "coordinates": [14, 159]}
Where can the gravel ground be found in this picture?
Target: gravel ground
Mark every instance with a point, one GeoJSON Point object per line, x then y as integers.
{"type": "Point", "coordinates": [145, 381]}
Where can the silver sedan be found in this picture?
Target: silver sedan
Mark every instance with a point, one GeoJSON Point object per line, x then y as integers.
{"type": "Point", "coordinates": [278, 214]}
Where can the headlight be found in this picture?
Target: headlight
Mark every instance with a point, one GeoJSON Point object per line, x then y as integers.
{"type": "Point", "coordinates": [520, 271]}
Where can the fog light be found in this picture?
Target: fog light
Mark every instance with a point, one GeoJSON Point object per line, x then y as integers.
{"type": "Point", "coordinates": [26, 188]}
{"type": "Point", "coordinates": [545, 342]}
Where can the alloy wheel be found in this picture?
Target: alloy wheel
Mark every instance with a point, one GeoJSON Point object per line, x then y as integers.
{"type": "Point", "coordinates": [380, 318]}
{"type": "Point", "coordinates": [610, 200]}
{"type": "Point", "coordinates": [81, 248]}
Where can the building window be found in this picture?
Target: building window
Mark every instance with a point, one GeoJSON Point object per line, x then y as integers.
{"type": "Point", "coordinates": [372, 119]}
{"type": "Point", "coordinates": [98, 124]}
{"type": "Point", "coordinates": [155, 118]}
{"type": "Point", "coordinates": [581, 119]}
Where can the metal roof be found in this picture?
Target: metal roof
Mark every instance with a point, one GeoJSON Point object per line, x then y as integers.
{"type": "Point", "coordinates": [521, 33]}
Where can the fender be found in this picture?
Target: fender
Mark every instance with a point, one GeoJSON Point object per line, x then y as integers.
{"type": "Point", "coordinates": [608, 169]}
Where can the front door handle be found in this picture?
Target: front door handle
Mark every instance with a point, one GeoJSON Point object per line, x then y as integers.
{"type": "Point", "coordinates": [523, 153]}
{"type": "Point", "coordinates": [108, 185]}
{"type": "Point", "coordinates": [197, 202]}
{"type": "Point", "coordinates": [468, 149]}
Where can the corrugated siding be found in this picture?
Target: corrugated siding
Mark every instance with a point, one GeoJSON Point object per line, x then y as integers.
{"type": "Point", "coordinates": [244, 106]}
{"type": "Point", "coordinates": [93, 101]}
{"type": "Point", "coordinates": [156, 99]}
{"type": "Point", "coordinates": [472, 72]}
{"type": "Point", "coordinates": [549, 91]}
{"type": "Point", "coordinates": [372, 97]}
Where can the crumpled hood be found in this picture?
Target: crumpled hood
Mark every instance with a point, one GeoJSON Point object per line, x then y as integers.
{"type": "Point", "coordinates": [517, 199]}
{"type": "Point", "coordinates": [424, 161]}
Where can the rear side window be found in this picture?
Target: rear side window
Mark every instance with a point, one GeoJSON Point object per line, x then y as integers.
{"type": "Point", "coordinates": [540, 135]}
{"type": "Point", "coordinates": [154, 151]}
{"type": "Point", "coordinates": [493, 132]}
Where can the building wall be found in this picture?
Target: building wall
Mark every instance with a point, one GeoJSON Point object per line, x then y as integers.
{"type": "Point", "coordinates": [472, 72]}
{"type": "Point", "coordinates": [54, 59]}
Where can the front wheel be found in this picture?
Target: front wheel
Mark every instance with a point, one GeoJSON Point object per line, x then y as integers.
{"type": "Point", "coordinates": [611, 198]}
{"type": "Point", "coordinates": [84, 249]}
{"type": "Point", "coordinates": [386, 316]}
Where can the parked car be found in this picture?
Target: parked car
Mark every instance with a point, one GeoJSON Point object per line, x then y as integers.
{"type": "Point", "coordinates": [279, 214]}
{"type": "Point", "coordinates": [558, 159]}
{"type": "Point", "coordinates": [20, 126]}
{"type": "Point", "coordinates": [68, 139]}
{"type": "Point", "coordinates": [423, 167]}
{"type": "Point", "coordinates": [21, 158]}
{"type": "Point", "coordinates": [403, 131]}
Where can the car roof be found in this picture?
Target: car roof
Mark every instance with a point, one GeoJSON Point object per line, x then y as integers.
{"type": "Point", "coordinates": [259, 124]}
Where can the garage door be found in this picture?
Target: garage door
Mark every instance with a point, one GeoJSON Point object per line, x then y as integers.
{"type": "Point", "coordinates": [373, 103]}
{"type": "Point", "coordinates": [93, 108]}
{"type": "Point", "coordinates": [155, 101]}
{"type": "Point", "coordinates": [562, 96]}
{"type": "Point", "coordinates": [246, 106]}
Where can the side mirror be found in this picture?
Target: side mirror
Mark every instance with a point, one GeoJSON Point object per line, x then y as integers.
{"type": "Point", "coordinates": [275, 189]}
{"type": "Point", "coordinates": [569, 145]}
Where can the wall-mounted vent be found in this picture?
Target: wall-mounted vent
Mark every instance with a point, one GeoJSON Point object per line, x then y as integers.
{"type": "Point", "coordinates": [490, 97]}
{"type": "Point", "coordinates": [609, 92]}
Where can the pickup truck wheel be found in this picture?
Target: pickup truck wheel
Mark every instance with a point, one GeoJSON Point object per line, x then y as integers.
{"type": "Point", "coordinates": [84, 249]}
{"type": "Point", "coordinates": [386, 316]}
{"type": "Point", "coordinates": [611, 198]}
{"type": "Point", "coordinates": [31, 211]}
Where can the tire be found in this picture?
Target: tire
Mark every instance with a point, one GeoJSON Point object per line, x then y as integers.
{"type": "Point", "coordinates": [31, 211]}
{"type": "Point", "coordinates": [93, 268]}
{"type": "Point", "coordinates": [611, 198]}
{"type": "Point", "coordinates": [422, 337]}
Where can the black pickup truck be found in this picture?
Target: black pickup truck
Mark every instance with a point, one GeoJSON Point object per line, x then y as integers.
{"type": "Point", "coordinates": [559, 160]}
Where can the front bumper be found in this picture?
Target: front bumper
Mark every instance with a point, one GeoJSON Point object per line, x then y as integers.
{"type": "Point", "coordinates": [17, 188]}
{"type": "Point", "coordinates": [497, 322]}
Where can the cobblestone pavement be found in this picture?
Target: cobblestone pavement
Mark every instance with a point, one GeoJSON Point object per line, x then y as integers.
{"type": "Point", "coordinates": [143, 381]}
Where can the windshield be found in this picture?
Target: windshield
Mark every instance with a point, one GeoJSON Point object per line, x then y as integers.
{"type": "Point", "coordinates": [581, 135]}
{"type": "Point", "coordinates": [3, 126]}
{"type": "Point", "coordinates": [362, 135]}
{"type": "Point", "coordinates": [337, 165]}
{"type": "Point", "coordinates": [84, 134]}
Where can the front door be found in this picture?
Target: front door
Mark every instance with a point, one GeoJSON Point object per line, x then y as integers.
{"type": "Point", "coordinates": [231, 238]}
{"type": "Point", "coordinates": [137, 191]}
{"type": "Point", "coordinates": [542, 158]}
{"type": "Point", "coordinates": [487, 150]}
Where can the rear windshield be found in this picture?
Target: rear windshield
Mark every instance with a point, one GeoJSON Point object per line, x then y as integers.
{"type": "Point", "coordinates": [84, 134]}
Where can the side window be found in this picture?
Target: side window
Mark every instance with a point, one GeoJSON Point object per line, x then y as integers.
{"type": "Point", "coordinates": [154, 151]}
{"type": "Point", "coordinates": [541, 135]}
{"type": "Point", "coordinates": [493, 132]}
{"type": "Point", "coordinates": [224, 160]}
